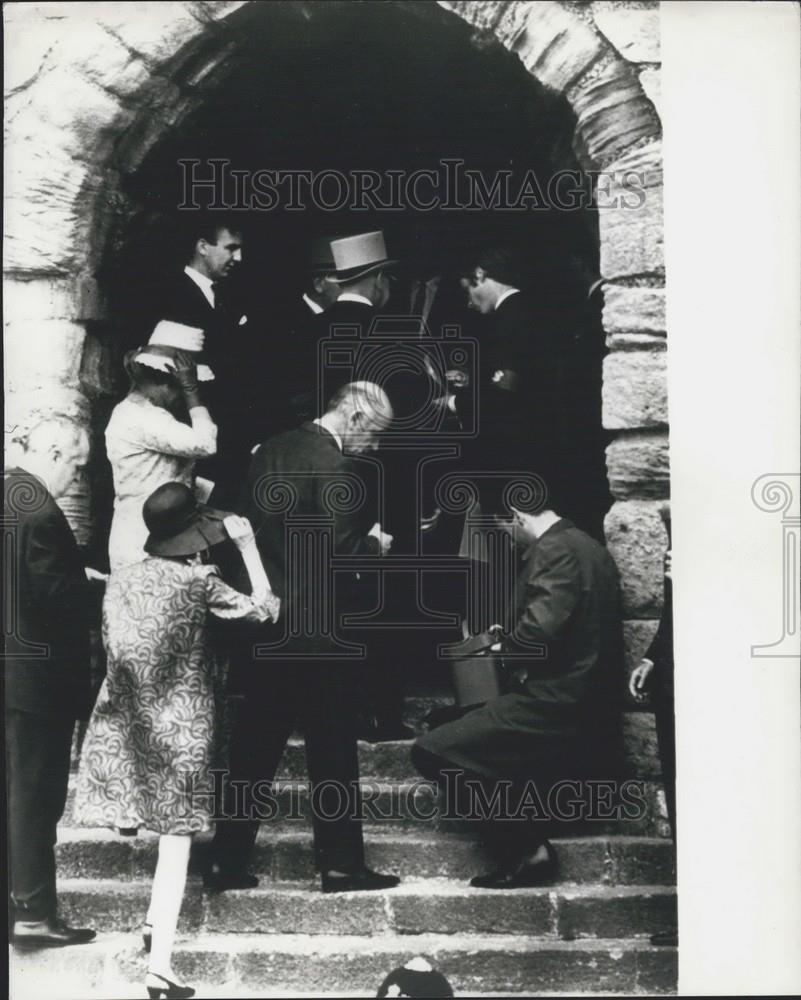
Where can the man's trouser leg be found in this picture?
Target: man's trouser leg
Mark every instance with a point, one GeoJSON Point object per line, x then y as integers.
{"type": "Point", "coordinates": [38, 764]}
{"type": "Point", "coordinates": [664, 717]}
{"type": "Point", "coordinates": [261, 727]}
{"type": "Point", "coordinates": [329, 718]}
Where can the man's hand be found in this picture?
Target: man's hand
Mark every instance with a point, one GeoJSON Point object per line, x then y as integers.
{"type": "Point", "coordinates": [447, 402]}
{"type": "Point", "coordinates": [457, 378]}
{"type": "Point", "coordinates": [384, 540]}
{"type": "Point", "coordinates": [427, 523]}
{"type": "Point", "coordinates": [95, 575]}
{"type": "Point", "coordinates": [638, 682]}
{"type": "Point", "coordinates": [239, 531]}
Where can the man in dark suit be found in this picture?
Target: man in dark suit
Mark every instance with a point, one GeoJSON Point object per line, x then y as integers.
{"type": "Point", "coordinates": [294, 375]}
{"type": "Point", "coordinates": [48, 609]}
{"type": "Point", "coordinates": [562, 648]}
{"type": "Point", "coordinates": [199, 296]}
{"type": "Point", "coordinates": [296, 500]}
{"type": "Point", "coordinates": [519, 378]}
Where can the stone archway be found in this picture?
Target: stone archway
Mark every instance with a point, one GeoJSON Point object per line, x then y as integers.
{"type": "Point", "coordinates": [84, 107]}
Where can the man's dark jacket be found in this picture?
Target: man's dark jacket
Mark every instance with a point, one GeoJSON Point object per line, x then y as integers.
{"type": "Point", "coordinates": [567, 638]}
{"type": "Point", "coordinates": [300, 487]}
{"type": "Point", "coordinates": [48, 604]}
{"type": "Point", "coordinates": [234, 397]}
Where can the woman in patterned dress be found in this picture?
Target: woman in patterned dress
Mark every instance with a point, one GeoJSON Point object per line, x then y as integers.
{"type": "Point", "coordinates": [151, 739]}
{"type": "Point", "coordinates": [146, 443]}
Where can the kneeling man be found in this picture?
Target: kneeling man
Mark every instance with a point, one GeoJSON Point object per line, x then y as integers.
{"type": "Point", "coordinates": [563, 654]}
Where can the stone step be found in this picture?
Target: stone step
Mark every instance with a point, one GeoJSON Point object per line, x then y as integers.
{"type": "Point", "coordinates": [267, 965]}
{"type": "Point", "coordinates": [287, 856]}
{"type": "Point", "coordinates": [435, 906]}
{"type": "Point", "coordinates": [416, 805]}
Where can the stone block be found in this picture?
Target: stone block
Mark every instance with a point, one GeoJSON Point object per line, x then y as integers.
{"type": "Point", "coordinates": [48, 297]}
{"type": "Point", "coordinates": [638, 466]}
{"type": "Point", "coordinates": [484, 16]}
{"type": "Point", "coordinates": [102, 58]}
{"type": "Point", "coordinates": [614, 912]}
{"type": "Point", "coordinates": [634, 310]}
{"type": "Point", "coordinates": [630, 215]}
{"type": "Point", "coordinates": [642, 861]}
{"type": "Point", "coordinates": [640, 748]}
{"type": "Point", "coordinates": [556, 46]}
{"type": "Point", "coordinates": [470, 912]}
{"type": "Point", "coordinates": [85, 116]}
{"type": "Point", "coordinates": [636, 538]}
{"type": "Point", "coordinates": [30, 40]}
{"type": "Point", "coordinates": [153, 31]}
{"type": "Point", "coordinates": [39, 351]}
{"type": "Point", "coordinates": [297, 911]}
{"type": "Point", "coordinates": [634, 31]}
{"type": "Point", "coordinates": [635, 390]}
{"type": "Point", "coordinates": [613, 114]}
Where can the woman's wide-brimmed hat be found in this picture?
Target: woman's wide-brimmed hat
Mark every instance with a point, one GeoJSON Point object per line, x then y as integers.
{"type": "Point", "coordinates": [178, 524]}
{"type": "Point", "coordinates": [166, 340]}
{"type": "Point", "coordinates": [357, 256]}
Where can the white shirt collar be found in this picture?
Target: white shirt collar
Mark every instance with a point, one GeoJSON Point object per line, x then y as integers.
{"type": "Point", "coordinates": [315, 308]}
{"type": "Point", "coordinates": [354, 297]}
{"type": "Point", "coordinates": [322, 422]}
{"type": "Point", "coordinates": [506, 294]}
{"type": "Point", "coordinates": [202, 282]}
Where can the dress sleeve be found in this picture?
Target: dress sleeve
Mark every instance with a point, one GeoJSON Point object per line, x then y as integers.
{"type": "Point", "coordinates": [225, 602]}
{"type": "Point", "coordinates": [159, 431]}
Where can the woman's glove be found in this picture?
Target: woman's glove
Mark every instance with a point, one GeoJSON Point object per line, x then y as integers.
{"type": "Point", "coordinates": [186, 376]}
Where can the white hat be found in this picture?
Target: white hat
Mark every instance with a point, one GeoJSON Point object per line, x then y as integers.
{"type": "Point", "coordinates": [169, 337]}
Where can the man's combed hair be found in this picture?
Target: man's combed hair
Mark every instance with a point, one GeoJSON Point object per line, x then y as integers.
{"type": "Point", "coordinates": [499, 263]}
{"type": "Point", "coordinates": [206, 226]}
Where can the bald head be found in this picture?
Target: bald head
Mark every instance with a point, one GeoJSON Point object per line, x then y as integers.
{"type": "Point", "coordinates": [55, 450]}
{"type": "Point", "coordinates": [359, 412]}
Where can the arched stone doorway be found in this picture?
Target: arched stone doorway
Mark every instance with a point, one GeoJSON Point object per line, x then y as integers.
{"type": "Point", "coordinates": [85, 108]}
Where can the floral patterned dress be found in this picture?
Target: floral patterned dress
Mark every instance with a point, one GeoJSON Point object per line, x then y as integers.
{"type": "Point", "coordinates": [154, 731]}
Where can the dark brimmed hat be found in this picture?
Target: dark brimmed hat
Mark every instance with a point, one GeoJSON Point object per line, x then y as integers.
{"type": "Point", "coordinates": [178, 524]}
{"type": "Point", "coordinates": [357, 256]}
{"type": "Point", "coordinates": [415, 979]}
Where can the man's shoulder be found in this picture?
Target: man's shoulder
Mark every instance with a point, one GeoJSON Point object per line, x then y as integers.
{"type": "Point", "coordinates": [299, 447]}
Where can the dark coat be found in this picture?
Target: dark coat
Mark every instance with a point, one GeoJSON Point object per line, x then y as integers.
{"type": "Point", "coordinates": [301, 476]}
{"type": "Point", "coordinates": [567, 637]}
{"type": "Point", "coordinates": [518, 390]}
{"type": "Point", "coordinates": [295, 375]}
{"type": "Point", "coordinates": [235, 399]}
{"type": "Point", "coordinates": [47, 650]}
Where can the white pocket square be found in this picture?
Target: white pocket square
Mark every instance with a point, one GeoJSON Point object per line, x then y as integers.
{"type": "Point", "coordinates": [243, 321]}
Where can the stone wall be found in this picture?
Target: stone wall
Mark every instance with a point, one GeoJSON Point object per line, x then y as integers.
{"type": "Point", "coordinates": [84, 107]}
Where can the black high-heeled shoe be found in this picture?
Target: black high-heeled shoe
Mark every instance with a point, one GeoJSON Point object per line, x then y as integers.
{"type": "Point", "coordinates": [169, 991]}
{"type": "Point", "coordinates": [147, 936]}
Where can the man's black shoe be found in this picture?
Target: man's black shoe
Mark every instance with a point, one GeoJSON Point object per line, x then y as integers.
{"type": "Point", "coordinates": [531, 871]}
{"type": "Point", "coordinates": [666, 939]}
{"type": "Point", "coordinates": [30, 935]}
{"type": "Point", "coordinates": [218, 879]}
{"type": "Point", "coordinates": [363, 880]}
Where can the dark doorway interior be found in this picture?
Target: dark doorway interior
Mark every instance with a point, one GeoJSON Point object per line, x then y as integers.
{"type": "Point", "coordinates": [383, 87]}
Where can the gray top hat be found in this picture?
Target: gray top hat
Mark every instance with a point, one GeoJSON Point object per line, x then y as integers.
{"type": "Point", "coordinates": [356, 256]}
